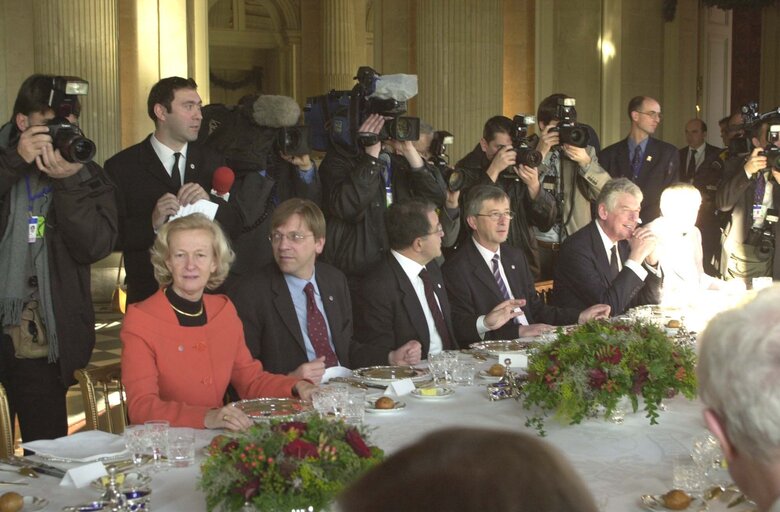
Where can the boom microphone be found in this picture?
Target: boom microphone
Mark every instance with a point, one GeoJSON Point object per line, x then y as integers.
{"type": "Point", "coordinates": [222, 181]}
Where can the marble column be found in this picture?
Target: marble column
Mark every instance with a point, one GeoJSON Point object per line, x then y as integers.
{"type": "Point", "coordinates": [79, 37]}
{"type": "Point", "coordinates": [343, 45]}
{"type": "Point", "coordinates": [459, 67]}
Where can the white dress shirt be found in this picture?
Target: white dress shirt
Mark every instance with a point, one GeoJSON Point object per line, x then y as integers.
{"type": "Point", "coordinates": [412, 270]}
{"type": "Point", "coordinates": [166, 156]}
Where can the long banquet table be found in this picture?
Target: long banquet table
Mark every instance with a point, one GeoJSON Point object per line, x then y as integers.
{"type": "Point", "coordinates": [618, 462]}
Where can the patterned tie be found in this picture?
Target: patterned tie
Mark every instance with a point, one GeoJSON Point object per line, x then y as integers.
{"type": "Point", "coordinates": [433, 306]}
{"type": "Point", "coordinates": [614, 269]}
{"type": "Point", "coordinates": [691, 166]}
{"type": "Point", "coordinates": [636, 162]}
{"type": "Point", "coordinates": [502, 287]}
{"type": "Point", "coordinates": [758, 195]}
{"type": "Point", "coordinates": [318, 330]}
{"type": "Point", "coordinates": [175, 175]}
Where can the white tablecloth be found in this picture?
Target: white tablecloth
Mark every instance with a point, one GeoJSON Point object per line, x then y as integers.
{"type": "Point", "coordinates": [618, 462]}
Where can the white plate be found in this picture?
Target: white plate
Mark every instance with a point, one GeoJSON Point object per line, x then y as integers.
{"type": "Point", "coordinates": [497, 347]}
{"type": "Point", "coordinates": [370, 407]}
{"type": "Point", "coordinates": [32, 503]}
{"type": "Point", "coordinates": [656, 502]}
{"type": "Point", "coordinates": [484, 375]}
{"type": "Point", "coordinates": [441, 394]}
{"type": "Point", "coordinates": [385, 375]}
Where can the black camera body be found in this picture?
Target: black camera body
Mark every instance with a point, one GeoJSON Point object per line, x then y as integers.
{"type": "Point", "coordinates": [526, 155]}
{"type": "Point", "coordinates": [569, 132]}
{"type": "Point", "coordinates": [70, 140]}
{"type": "Point", "coordinates": [454, 178]}
{"type": "Point", "coordinates": [335, 117]}
{"type": "Point", "coordinates": [764, 237]}
{"type": "Point", "coordinates": [743, 144]}
{"type": "Point", "coordinates": [771, 151]}
{"type": "Point", "coordinates": [293, 140]}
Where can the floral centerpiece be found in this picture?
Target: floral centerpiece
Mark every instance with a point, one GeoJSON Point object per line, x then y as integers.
{"type": "Point", "coordinates": [598, 364]}
{"type": "Point", "coordinates": [285, 465]}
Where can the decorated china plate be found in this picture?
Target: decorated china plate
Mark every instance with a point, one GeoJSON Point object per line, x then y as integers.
{"type": "Point", "coordinates": [436, 393]}
{"type": "Point", "coordinates": [385, 375]}
{"type": "Point", "coordinates": [494, 348]}
{"type": "Point", "coordinates": [656, 502]}
{"type": "Point", "coordinates": [263, 409]}
{"type": "Point", "coordinates": [484, 375]}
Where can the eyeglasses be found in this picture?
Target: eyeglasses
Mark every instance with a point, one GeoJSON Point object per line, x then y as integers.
{"type": "Point", "coordinates": [496, 216]}
{"type": "Point", "coordinates": [652, 114]}
{"type": "Point", "coordinates": [437, 231]}
{"type": "Point", "coordinates": [293, 237]}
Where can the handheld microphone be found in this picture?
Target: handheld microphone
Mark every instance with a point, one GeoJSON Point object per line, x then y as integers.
{"type": "Point", "coordinates": [222, 181]}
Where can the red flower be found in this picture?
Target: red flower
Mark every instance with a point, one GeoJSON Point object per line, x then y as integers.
{"type": "Point", "coordinates": [640, 377]}
{"type": "Point", "coordinates": [297, 425]}
{"type": "Point", "coordinates": [249, 489]}
{"type": "Point", "coordinates": [597, 378]}
{"type": "Point", "coordinates": [230, 446]}
{"type": "Point", "coordinates": [357, 443]}
{"type": "Point", "coordinates": [300, 449]}
{"type": "Point", "coordinates": [680, 373]}
{"type": "Point", "coordinates": [614, 355]}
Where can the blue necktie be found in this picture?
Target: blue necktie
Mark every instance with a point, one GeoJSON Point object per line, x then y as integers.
{"type": "Point", "coordinates": [636, 162]}
{"type": "Point", "coordinates": [500, 282]}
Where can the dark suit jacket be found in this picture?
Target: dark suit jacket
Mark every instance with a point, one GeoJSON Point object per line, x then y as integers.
{"type": "Point", "coordinates": [473, 292]}
{"type": "Point", "coordinates": [582, 276]}
{"type": "Point", "coordinates": [660, 168]}
{"type": "Point", "coordinates": [390, 313]}
{"type": "Point", "coordinates": [141, 180]}
{"type": "Point", "coordinates": [271, 327]}
{"type": "Point", "coordinates": [707, 178]}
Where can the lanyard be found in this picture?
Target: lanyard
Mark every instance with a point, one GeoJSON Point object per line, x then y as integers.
{"type": "Point", "coordinates": [31, 198]}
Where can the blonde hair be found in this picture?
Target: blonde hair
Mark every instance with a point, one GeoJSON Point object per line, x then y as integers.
{"type": "Point", "coordinates": [160, 251]}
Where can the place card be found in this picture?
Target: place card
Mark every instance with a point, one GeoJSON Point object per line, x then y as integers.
{"type": "Point", "coordinates": [401, 387]}
{"type": "Point", "coordinates": [517, 360]}
{"type": "Point", "coordinates": [82, 476]}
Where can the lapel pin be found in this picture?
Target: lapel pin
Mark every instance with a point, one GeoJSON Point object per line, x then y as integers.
{"type": "Point", "coordinates": [438, 284]}
{"type": "Point", "coordinates": [513, 267]}
{"type": "Point", "coordinates": [192, 166]}
{"type": "Point", "coordinates": [330, 298]}
{"type": "Point", "coordinates": [649, 158]}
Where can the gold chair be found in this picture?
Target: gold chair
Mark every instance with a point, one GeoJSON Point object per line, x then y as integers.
{"type": "Point", "coordinates": [6, 427]}
{"type": "Point", "coordinates": [103, 385]}
{"type": "Point", "coordinates": [544, 289]}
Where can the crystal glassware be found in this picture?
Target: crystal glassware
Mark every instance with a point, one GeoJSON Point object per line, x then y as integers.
{"type": "Point", "coordinates": [157, 440]}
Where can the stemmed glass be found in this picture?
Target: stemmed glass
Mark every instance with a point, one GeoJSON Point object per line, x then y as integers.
{"type": "Point", "coordinates": [157, 439]}
{"type": "Point", "coordinates": [135, 441]}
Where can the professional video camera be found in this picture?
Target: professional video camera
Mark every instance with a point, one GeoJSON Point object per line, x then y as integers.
{"type": "Point", "coordinates": [743, 144]}
{"type": "Point", "coordinates": [335, 117]}
{"type": "Point", "coordinates": [771, 151]}
{"type": "Point", "coordinates": [454, 178]}
{"type": "Point", "coordinates": [569, 132]}
{"type": "Point", "coordinates": [293, 141]}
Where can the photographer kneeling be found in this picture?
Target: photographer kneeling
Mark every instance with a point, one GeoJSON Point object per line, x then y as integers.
{"type": "Point", "coordinates": [57, 216]}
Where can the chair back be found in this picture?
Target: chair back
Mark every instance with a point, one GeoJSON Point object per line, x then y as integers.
{"type": "Point", "coordinates": [6, 427]}
{"type": "Point", "coordinates": [544, 289]}
{"type": "Point", "coordinates": [103, 395]}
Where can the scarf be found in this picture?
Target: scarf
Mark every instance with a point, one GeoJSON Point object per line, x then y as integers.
{"type": "Point", "coordinates": [17, 256]}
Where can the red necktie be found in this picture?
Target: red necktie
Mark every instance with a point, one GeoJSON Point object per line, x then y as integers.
{"type": "Point", "coordinates": [318, 330]}
{"type": "Point", "coordinates": [438, 316]}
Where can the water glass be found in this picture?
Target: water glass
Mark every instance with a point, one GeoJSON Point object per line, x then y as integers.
{"type": "Point", "coordinates": [687, 476]}
{"type": "Point", "coordinates": [436, 365]}
{"type": "Point", "coordinates": [354, 408]}
{"type": "Point", "coordinates": [157, 440]}
{"type": "Point", "coordinates": [330, 400]}
{"type": "Point", "coordinates": [135, 442]}
{"type": "Point", "coordinates": [449, 362]}
{"type": "Point", "coordinates": [463, 373]}
{"type": "Point", "coordinates": [181, 447]}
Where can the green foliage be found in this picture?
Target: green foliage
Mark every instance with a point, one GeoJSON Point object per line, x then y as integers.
{"type": "Point", "coordinates": [285, 465]}
{"type": "Point", "coordinates": [598, 363]}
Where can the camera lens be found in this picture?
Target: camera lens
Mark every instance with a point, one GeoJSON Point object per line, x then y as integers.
{"type": "Point", "coordinates": [81, 150]}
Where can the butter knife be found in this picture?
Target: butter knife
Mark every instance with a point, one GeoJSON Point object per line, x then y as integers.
{"type": "Point", "coordinates": [38, 467]}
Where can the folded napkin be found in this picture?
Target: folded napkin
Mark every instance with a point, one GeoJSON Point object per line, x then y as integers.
{"type": "Point", "coordinates": [87, 446]}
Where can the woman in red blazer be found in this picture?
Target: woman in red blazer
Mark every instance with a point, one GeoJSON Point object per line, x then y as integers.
{"type": "Point", "coordinates": [181, 348]}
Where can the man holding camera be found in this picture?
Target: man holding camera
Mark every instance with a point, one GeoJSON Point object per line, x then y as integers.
{"type": "Point", "coordinates": [358, 186]}
{"type": "Point", "coordinates": [57, 217]}
{"type": "Point", "coordinates": [650, 163]}
{"type": "Point", "coordinates": [570, 171]}
{"type": "Point", "coordinates": [269, 154]}
{"type": "Point", "coordinates": [494, 162]}
{"type": "Point", "coordinates": [749, 190]}
{"type": "Point", "coordinates": [161, 174]}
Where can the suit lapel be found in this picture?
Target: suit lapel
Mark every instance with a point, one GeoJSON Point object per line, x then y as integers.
{"type": "Point", "coordinates": [153, 166]}
{"type": "Point", "coordinates": [438, 287]}
{"type": "Point", "coordinates": [624, 160]}
{"type": "Point", "coordinates": [191, 167]}
{"type": "Point", "coordinates": [649, 161]}
{"type": "Point", "coordinates": [332, 312]}
{"type": "Point", "coordinates": [285, 308]}
{"type": "Point", "coordinates": [481, 270]}
{"type": "Point", "coordinates": [602, 261]}
{"type": "Point", "coordinates": [411, 303]}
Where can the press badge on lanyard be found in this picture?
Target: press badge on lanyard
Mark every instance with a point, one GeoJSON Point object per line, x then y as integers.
{"type": "Point", "coordinates": [37, 223]}
{"type": "Point", "coordinates": [388, 188]}
{"type": "Point", "coordinates": [759, 213]}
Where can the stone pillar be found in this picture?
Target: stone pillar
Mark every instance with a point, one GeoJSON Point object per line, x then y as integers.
{"type": "Point", "coordinates": [79, 37]}
{"type": "Point", "coordinates": [459, 67]}
{"type": "Point", "coordinates": [343, 45]}
{"type": "Point", "coordinates": [290, 65]}
{"type": "Point", "coordinates": [770, 53]}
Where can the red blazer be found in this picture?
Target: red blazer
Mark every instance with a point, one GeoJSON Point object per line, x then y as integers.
{"type": "Point", "coordinates": [178, 373]}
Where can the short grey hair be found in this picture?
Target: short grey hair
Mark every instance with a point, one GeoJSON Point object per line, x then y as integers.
{"type": "Point", "coordinates": [160, 251]}
{"type": "Point", "coordinates": [739, 374]}
{"type": "Point", "coordinates": [479, 194]}
{"type": "Point", "coordinates": [613, 188]}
